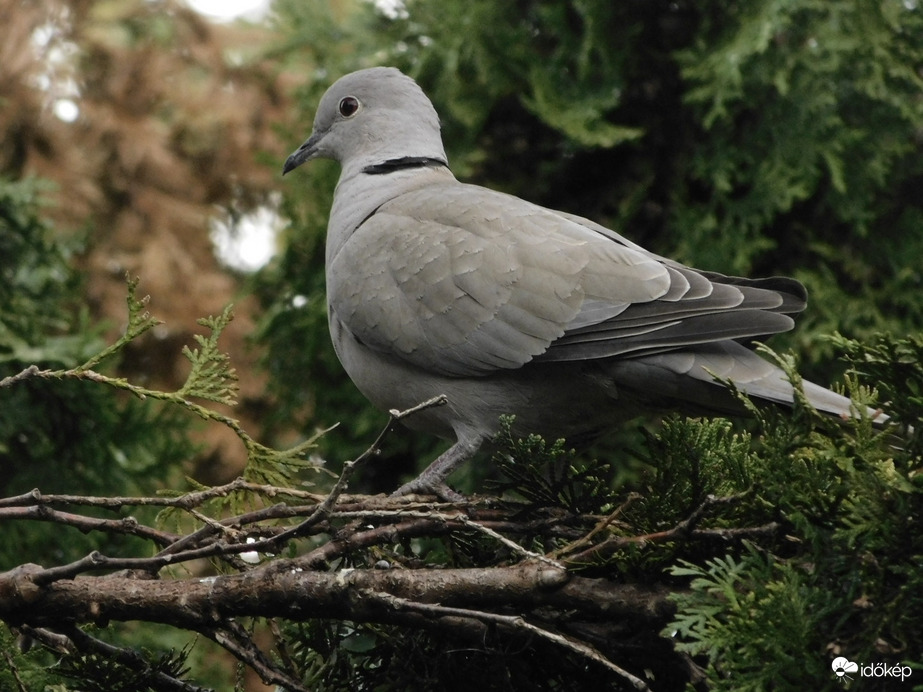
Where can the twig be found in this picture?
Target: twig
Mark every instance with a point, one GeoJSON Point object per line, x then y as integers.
{"type": "Point", "coordinates": [184, 501]}
{"type": "Point", "coordinates": [234, 639]}
{"type": "Point", "coordinates": [11, 666]}
{"type": "Point", "coordinates": [459, 519]}
{"type": "Point", "coordinates": [682, 530]}
{"type": "Point", "coordinates": [281, 647]}
{"type": "Point", "coordinates": [512, 545]}
{"type": "Point", "coordinates": [31, 371]}
{"type": "Point", "coordinates": [53, 641]}
{"type": "Point", "coordinates": [97, 561]}
{"type": "Point", "coordinates": [514, 622]}
{"type": "Point", "coordinates": [347, 542]}
{"type": "Point", "coordinates": [600, 526]}
{"type": "Point", "coordinates": [324, 508]}
{"type": "Point", "coordinates": [126, 525]}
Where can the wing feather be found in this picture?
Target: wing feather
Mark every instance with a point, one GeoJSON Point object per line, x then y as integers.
{"type": "Point", "coordinates": [465, 281]}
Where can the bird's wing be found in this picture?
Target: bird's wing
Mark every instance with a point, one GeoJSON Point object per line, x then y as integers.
{"type": "Point", "coordinates": [460, 280]}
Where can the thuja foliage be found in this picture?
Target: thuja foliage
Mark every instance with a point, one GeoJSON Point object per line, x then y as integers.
{"type": "Point", "coordinates": [69, 424]}
{"type": "Point", "coordinates": [63, 436]}
{"type": "Point", "coordinates": [59, 436]}
{"type": "Point", "coordinates": [844, 576]}
{"type": "Point", "coordinates": [342, 658]}
{"type": "Point", "coordinates": [551, 475]}
{"type": "Point", "coordinates": [100, 673]}
{"type": "Point", "coordinates": [894, 366]}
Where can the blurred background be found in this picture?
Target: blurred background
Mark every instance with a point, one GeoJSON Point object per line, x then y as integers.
{"type": "Point", "coordinates": [147, 136]}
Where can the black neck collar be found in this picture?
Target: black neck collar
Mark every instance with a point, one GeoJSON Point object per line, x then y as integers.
{"type": "Point", "coordinates": [403, 163]}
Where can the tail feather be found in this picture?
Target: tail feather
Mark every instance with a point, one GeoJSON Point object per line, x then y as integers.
{"type": "Point", "coordinates": [680, 374]}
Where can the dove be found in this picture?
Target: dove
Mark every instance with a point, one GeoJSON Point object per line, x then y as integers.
{"type": "Point", "coordinates": [437, 287]}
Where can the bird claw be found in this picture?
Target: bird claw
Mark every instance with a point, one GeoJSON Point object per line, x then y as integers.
{"type": "Point", "coordinates": [423, 486]}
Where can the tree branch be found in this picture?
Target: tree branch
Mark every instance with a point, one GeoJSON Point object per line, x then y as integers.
{"type": "Point", "coordinates": [514, 622]}
{"type": "Point", "coordinates": [283, 588]}
{"type": "Point", "coordinates": [234, 639]}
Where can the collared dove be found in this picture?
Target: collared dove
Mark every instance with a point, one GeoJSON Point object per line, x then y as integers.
{"type": "Point", "coordinates": [435, 287]}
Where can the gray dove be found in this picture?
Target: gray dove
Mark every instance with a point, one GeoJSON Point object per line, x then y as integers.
{"type": "Point", "coordinates": [436, 287]}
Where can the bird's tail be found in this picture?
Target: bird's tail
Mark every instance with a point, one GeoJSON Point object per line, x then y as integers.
{"type": "Point", "coordinates": [692, 375]}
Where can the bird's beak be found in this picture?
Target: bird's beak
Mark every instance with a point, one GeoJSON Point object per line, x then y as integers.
{"type": "Point", "coordinates": [305, 152]}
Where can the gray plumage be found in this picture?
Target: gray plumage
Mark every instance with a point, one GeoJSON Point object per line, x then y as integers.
{"type": "Point", "coordinates": [438, 287]}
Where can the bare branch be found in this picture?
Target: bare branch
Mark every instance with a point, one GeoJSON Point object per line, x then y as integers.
{"type": "Point", "coordinates": [31, 371]}
{"type": "Point", "coordinates": [11, 666]}
{"type": "Point", "coordinates": [284, 589]}
{"type": "Point", "coordinates": [537, 598]}
{"type": "Point", "coordinates": [51, 640]}
{"type": "Point", "coordinates": [600, 526]}
{"type": "Point", "coordinates": [127, 525]}
{"type": "Point", "coordinates": [234, 639]}
{"type": "Point", "coordinates": [514, 622]}
{"type": "Point", "coordinates": [323, 510]}
{"type": "Point", "coordinates": [684, 530]}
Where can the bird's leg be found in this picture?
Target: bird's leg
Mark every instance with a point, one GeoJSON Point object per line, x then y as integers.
{"type": "Point", "coordinates": [432, 480]}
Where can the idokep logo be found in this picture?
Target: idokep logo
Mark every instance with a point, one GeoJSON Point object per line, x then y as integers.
{"type": "Point", "coordinates": [846, 670]}
{"type": "Point", "coordinates": [843, 666]}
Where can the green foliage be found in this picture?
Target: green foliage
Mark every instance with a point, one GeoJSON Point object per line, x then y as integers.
{"type": "Point", "coordinates": [212, 376]}
{"type": "Point", "coordinates": [139, 322]}
{"type": "Point", "coordinates": [101, 673]}
{"type": "Point", "coordinates": [63, 437]}
{"type": "Point", "coordinates": [24, 667]}
{"type": "Point", "coordinates": [739, 606]}
{"type": "Point", "coordinates": [38, 288]}
{"type": "Point", "coordinates": [806, 151]}
{"type": "Point", "coordinates": [846, 579]}
{"type": "Point", "coordinates": [690, 459]}
{"type": "Point", "coordinates": [550, 475]}
{"type": "Point", "coordinates": [893, 365]}
{"type": "Point", "coordinates": [61, 432]}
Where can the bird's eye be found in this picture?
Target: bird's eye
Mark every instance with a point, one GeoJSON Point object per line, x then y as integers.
{"type": "Point", "coordinates": [349, 106]}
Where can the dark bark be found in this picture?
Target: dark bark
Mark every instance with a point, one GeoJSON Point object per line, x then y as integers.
{"type": "Point", "coordinates": [284, 589]}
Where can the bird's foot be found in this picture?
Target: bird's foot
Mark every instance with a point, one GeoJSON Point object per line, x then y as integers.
{"type": "Point", "coordinates": [432, 480]}
{"type": "Point", "coordinates": [429, 486]}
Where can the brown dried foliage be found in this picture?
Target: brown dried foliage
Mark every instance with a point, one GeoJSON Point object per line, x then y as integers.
{"type": "Point", "coordinates": [177, 118]}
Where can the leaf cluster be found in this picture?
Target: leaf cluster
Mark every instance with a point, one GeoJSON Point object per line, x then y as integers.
{"type": "Point", "coordinates": [38, 287]}
{"type": "Point", "coordinates": [63, 436]}
{"type": "Point", "coordinates": [550, 475]}
{"type": "Point", "coordinates": [844, 577]}
{"type": "Point", "coordinates": [100, 673]}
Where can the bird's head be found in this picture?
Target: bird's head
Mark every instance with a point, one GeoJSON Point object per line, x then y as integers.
{"type": "Point", "coordinates": [372, 116]}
